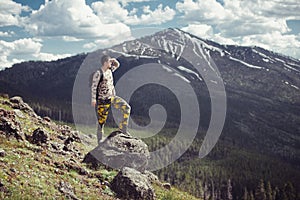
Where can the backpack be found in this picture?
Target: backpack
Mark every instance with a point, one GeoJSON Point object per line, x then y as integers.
{"type": "Point", "coordinates": [91, 78]}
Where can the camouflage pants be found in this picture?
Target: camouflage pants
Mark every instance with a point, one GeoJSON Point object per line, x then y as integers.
{"type": "Point", "coordinates": [102, 110]}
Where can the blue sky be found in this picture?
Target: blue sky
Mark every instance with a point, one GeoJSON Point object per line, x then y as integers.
{"type": "Point", "coordinates": [52, 29]}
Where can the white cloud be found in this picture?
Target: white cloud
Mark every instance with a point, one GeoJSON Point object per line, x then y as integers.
{"type": "Point", "coordinates": [105, 42]}
{"type": "Point", "coordinates": [71, 18]}
{"type": "Point", "coordinates": [6, 34]}
{"type": "Point", "coordinates": [206, 32]}
{"type": "Point", "coordinates": [203, 11]}
{"type": "Point", "coordinates": [23, 49]}
{"type": "Point", "coordinates": [71, 39]}
{"type": "Point", "coordinates": [17, 49]}
{"type": "Point", "coordinates": [114, 11]}
{"type": "Point", "coordinates": [200, 30]}
{"type": "Point", "coordinates": [10, 11]}
{"type": "Point", "coordinates": [286, 44]}
{"type": "Point", "coordinates": [90, 45]}
{"type": "Point", "coordinates": [134, 1]}
{"type": "Point", "coordinates": [21, 46]}
{"type": "Point", "coordinates": [257, 22]}
{"type": "Point", "coordinates": [158, 16]}
{"type": "Point", "coordinates": [5, 63]}
{"type": "Point", "coordinates": [110, 11]}
{"type": "Point", "coordinates": [239, 18]}
{"type": "Point", "coordinates": [50, 56]}
{"type": "Point", "coordinates": [288, 9]}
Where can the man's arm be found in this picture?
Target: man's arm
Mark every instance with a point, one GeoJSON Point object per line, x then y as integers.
{"type": "Point", "coordinates": [95, 82]}
{"type": "Point", "coordinates": [115, 64]}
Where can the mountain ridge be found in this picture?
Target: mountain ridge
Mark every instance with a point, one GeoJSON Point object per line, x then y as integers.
{"type": "Point", "coordinates": [274, 83]}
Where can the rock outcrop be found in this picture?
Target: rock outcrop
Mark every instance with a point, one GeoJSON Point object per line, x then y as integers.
{"type": "Point", "coordinates": [39, 137]}
{"type": "Point", "coordinates": [18, 103]}
{"type": "Point", "coordinates": [9, 125]}
{"type": "Point", "coordinates": [119, 150]}
{"type": "Point", "coordinates": [132, 184]}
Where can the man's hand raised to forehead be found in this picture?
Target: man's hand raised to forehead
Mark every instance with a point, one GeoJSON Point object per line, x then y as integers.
{"type": "Point", "coordinates": [114, 62]}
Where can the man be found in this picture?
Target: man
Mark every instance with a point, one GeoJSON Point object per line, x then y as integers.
{"type": "Point", "coordinates": [104, 96]}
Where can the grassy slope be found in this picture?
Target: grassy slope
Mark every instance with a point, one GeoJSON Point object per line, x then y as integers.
{"type": "Point", "coordinates": [29, 171]}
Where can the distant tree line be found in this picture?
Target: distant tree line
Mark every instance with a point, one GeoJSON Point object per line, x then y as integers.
{"type": "Point", "coordinates": [228, 173]}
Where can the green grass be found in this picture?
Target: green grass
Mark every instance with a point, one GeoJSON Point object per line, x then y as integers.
{"type": "Point", "coordinates": [26, 175]}
{"type": "Point", "coordinates": [34, 178]}
{"type": "Point", "coordinates": [173, 194]}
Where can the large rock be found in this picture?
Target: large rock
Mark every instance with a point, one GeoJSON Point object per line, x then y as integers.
{"type": "Point", "coordinates": [132, 184]}
{"type": "Point", "coordinates": [39, 137]}
{"type": "Point", "coordinates": [119, 150]}
{"type": "Point", "coordinates": [18, 103]}
{"type": "Point", "coordinates": [9, 125]}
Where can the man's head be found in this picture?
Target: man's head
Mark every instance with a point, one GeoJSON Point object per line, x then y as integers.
{"type": "Point", "coordinates": [105, 59]}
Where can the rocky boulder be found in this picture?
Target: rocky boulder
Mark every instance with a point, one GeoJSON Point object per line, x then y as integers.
{"type": "Point", "coordinates": [9, 125]}
{"type": "Point", "coordinates": [2, 153]}
{"type": "Point", "coordinates": [132, 184]}
{"type": "Point", "coordinates": [18, 103]}
{"type": "Point", "coordinates": [67, 190]}
{"type": "Point", "coordinates": [119, 150]}
{"type": "Point", "coordinates": [39, 137]}
{"type": "Point", "coordinates": [152, 178]}
{"type": "Point", "coordinates": [3, 188]}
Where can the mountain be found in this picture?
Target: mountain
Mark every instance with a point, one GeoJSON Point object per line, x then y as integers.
{"type": "Point", "coordinates": [262, 89]}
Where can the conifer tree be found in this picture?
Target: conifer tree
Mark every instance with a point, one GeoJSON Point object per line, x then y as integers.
{"type": "Point", "coordinates": [260, 192]}
{"type": "Point", "coordinates": [245, 195]}
{"type": "Point", "coordinates": [276, 193]}
{"type": "Point", "coordinates": [289, 191]}
{"type": "Point", "coordinates": [269, 192]}
{"type": "Point", "coordinates": [252, 196]}
{"type": "Point", "coordinates": [229, 190]}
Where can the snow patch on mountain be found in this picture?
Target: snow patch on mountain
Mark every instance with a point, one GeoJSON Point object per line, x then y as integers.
{"type": "Point", "coordinates": [293, 64]}
{"type": "Point", "coordinates": [266, 58]}
{"type": "Point", "coordinates": [167, 68]}
{"type": "Point", "coordinates": [280, 60]}
{"type": "Point", "coordinates": [182, 77]}
{"type": "Point", "coordinates": [294, 86]}
{"type": "Point", "coordinates": [175, 48]}
{"type": "Point", "coordinates": [244, 63]}
{"type": "Point", "coordinates": [131, 55]}
{"type": "Point", "coordinates": [189, 71]}
{"type": "Point", "coordinates": [290, 67]}
{"type": "Point", "coordinates": [288, 83]}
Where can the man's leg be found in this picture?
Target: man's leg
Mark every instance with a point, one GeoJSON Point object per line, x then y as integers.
{"type": "Point", "coordinates": [124, 107]}
{"type": "Point", "coordinates": [102, 113]}
{"type": "Point", "coordinates": [100, 132]}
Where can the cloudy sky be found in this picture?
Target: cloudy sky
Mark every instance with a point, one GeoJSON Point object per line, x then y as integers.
{"type": "Point", "coordinates": [52, 29]}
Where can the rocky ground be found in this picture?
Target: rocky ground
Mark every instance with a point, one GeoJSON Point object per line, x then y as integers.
{"type": "Point", "coordinates": [42, 159]}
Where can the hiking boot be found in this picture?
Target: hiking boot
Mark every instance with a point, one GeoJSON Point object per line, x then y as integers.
{"type": "Point", "coordinates": [100, 134]}
{"type": "Point", "coordinates": [125, 132]}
